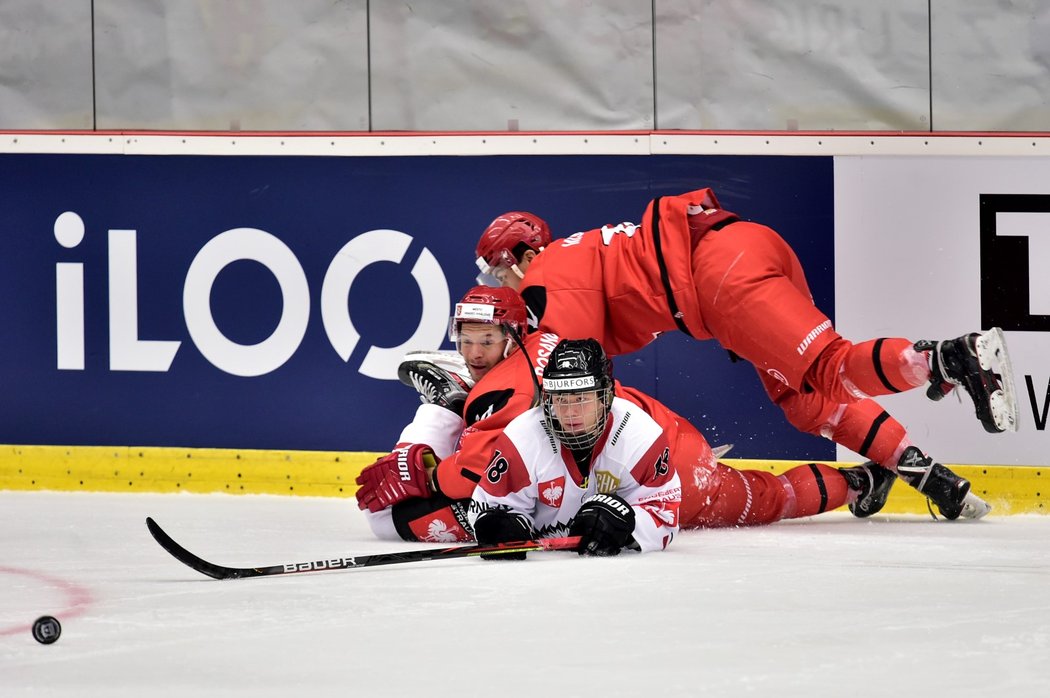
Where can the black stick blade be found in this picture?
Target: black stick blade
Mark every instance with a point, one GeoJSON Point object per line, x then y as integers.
{"type": "Point", "coordinates": [192, 561]}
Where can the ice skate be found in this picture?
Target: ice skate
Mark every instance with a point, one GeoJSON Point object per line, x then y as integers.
{"type": "Point", "coordinates": [435, 386]}
{"type": "Point", "coordinates": [981, 365]}
{"type": "Point", "coordinates": [941, 486]}
{"type": "Point", "coordinates": [448, 359]}
{"type": "Point", "coordinates": [872, 483]}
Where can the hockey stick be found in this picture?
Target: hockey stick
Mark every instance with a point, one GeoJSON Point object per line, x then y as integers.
{"type": "Point", "coordinates": [353, 561]}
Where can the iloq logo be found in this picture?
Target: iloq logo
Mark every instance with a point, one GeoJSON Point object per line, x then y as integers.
{"type": "Point", "coordinates": [128, 352]}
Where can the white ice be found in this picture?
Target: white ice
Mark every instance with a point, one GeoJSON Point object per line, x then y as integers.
{"type": "Point", "coordinates": [899, 605]}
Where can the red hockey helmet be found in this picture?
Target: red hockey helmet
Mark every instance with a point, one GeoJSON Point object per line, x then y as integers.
{"type": "Point", "coordinates": [490, 305]}
{"type": "Point", "coordinates": [506, 239]}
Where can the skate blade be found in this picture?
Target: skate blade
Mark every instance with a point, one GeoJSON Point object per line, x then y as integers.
{"type": "Point", "coordinates": [449, 360]}
{"type": "Point", "coordinates": [974, 507]}
{"type": "Point", "coordinates": [992, 355]}
{"type": "Point", "coordinates": [719, 451]}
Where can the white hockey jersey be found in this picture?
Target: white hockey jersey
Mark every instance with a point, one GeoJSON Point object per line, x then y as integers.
{"type": "Point", "coordinates": [531, 474]}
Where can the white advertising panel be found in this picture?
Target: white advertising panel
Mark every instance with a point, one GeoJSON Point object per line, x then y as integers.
{"type": "Point", "coordinates": [935, 247]}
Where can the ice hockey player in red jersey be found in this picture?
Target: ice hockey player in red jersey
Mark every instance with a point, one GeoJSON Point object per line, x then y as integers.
{"type": "Point", "coordinates": [421, 491]}
{"type": "Point", "coordinates": [694, 267]}
{"type": "Point", "coordinates": [585, 463]}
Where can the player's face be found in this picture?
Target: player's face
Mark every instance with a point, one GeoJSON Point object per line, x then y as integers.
{"type": "Point", "coordinates": [481, 345]}
{"type": "Point", "coordinates": [578, 413]}
{"type": "Point", "coordinates": [510, 276]}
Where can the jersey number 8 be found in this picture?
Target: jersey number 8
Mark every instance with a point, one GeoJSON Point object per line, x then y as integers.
{"type": "Point", "coordinates": [497, 467]}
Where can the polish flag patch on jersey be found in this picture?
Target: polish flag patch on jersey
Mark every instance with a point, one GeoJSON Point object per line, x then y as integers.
{"type": "Point", "coordinates": [440, 526]}
{"type": "Point", "coordinates": [552, 492]}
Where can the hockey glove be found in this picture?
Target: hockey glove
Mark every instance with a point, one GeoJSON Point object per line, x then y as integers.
{"type": "Point", "coordinates": [501, 526]}
{"type": "Point", "coordinates": [604, 523]}
{"type": "Point", "coordinates": [396, 477]}
{"type": "Point", "coordinates": [435, 386]}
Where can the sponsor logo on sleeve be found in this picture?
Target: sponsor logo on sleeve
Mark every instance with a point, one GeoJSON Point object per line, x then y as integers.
{"type": "Point", "coordinates": [813, 334]}
{"type": "Point", "coordinates": [664, 506]}
{"type": "Point", "coordinates": [663, 513]}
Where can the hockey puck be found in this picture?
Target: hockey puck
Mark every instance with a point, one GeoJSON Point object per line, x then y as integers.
{"type": "Point", "coordinates": [46, 629]}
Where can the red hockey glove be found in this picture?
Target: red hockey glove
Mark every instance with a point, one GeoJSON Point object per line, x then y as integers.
{"type": "Point", "coordinates": [396, 477]}
{"type": "Point", "coordinates": [605, 523]}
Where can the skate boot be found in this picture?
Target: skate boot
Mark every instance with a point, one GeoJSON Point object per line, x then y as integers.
{"type": "Point", "coordinates": [941, 486]}
{"type": "Point", "coordinates": [872, 484]}
{"type": "Point", "coordinates": [981, 365]}
{"type": "Point", "coordinates": [435, 386]}
{"type": "Point", "coordinates": [447, 359]}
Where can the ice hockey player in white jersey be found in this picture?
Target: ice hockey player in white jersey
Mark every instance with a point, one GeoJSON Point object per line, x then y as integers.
{"type": "Point", "coordinates": [585, 463]}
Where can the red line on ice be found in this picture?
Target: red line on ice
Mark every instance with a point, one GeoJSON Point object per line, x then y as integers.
{"type": "Point", "coordinates": [77, 599]}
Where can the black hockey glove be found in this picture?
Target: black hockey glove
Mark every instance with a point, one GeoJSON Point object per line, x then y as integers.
{"type": "Point", "coordinates": [501, 526]}
{"type": "Point", "coordinates": [435, 386]}
{"type": "Point", "coordinates": [605, 523]}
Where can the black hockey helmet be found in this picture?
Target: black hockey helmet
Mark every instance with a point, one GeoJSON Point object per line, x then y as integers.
{"type": "Point", "coordinates": [577, 392]}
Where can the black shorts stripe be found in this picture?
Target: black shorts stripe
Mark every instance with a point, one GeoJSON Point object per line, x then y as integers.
{"type": "Point", "coordinates": [876, 358]}
{"type": "Point", "coordinates": [664, 278]}
{"type": "Point", "coordinates": [876, 424]}
{"type": "Point", "coordinates": [821, 487]}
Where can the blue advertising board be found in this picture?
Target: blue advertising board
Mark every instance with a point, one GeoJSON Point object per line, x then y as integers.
{"type": "Point", "coordinates": [262, 301]}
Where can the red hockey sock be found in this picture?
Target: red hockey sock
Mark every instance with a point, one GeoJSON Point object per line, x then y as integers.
{"type": "Point", "coordinates": [845, 371]}
{"type": "Point", "coordinates": [736, 498]}
{"type": "Point", "coordinates": [817, 488]}
{"type": "Point", "coordinates": [865, 428]}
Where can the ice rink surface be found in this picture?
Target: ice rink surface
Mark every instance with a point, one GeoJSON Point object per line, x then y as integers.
{"type": "Point", "coordinates": [829, 606]}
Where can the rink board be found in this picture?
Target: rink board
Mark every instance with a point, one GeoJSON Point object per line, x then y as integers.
{"type": "Point", "coordinates": [1010, 489]}
{"type": "Point", "coordinates": [255, 292]}
{"type": "Point", "coordinates": [265, 302]}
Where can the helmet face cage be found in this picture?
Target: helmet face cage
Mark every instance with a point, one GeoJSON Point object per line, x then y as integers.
{"type": "Point", "coordinates": [577, 386]}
